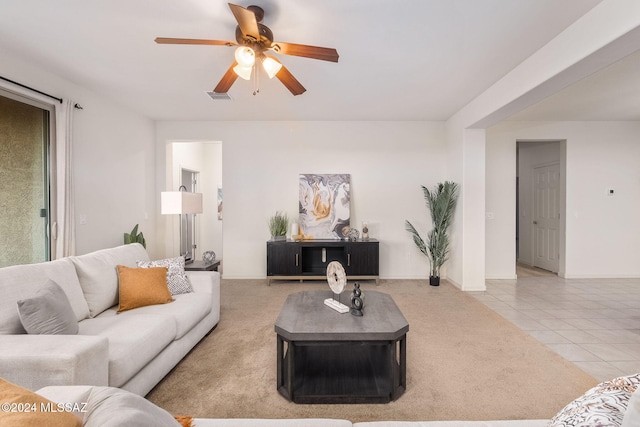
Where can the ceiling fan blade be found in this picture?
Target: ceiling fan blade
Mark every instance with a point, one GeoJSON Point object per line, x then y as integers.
{"type": "Point", "coordinates": [227, 80]}
{"type": "Point", "coordinates": [169, 40]}
{"type": "Point", "coordinates": [246, 21]}
{"type": "Point", "coordinates": [314, 52]}
{"type": "Point", "coordinates": [290, 82]}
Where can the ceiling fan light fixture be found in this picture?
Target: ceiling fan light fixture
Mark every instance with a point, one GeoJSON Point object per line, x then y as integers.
{"type": "Point", "coordinates": [271, 66]}
{"type": "Point", "coordinates": [245, 56]}
{"type": "Point", "coordinates": [243, 72]}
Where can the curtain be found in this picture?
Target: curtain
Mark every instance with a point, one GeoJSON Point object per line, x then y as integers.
{"type": "Point", "coordinates": [63, 229]}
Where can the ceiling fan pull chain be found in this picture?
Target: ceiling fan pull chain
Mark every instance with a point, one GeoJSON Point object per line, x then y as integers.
{"type": "Point", "coordinates": [256, 81]}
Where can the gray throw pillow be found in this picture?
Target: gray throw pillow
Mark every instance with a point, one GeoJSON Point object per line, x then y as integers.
{"type": "Point", "coordinates": [113, 407]}
{"type": "Point", "coordinates": [177, 279]}
{"type": "Point", "coordinates": [48, 312]}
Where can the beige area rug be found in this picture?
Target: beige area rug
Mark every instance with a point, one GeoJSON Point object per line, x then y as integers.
{"type": "Point", "coordinates": [464, 362]}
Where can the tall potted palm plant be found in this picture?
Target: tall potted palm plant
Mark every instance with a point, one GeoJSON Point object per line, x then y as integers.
{"type": "Point", "coordinates": [441, 201]}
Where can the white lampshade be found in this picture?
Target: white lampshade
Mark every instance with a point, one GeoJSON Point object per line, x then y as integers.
{"type": "Point", "coordinates": [180, 202]}
{"type": "Point", "coordinates": [271, 66]}
{"type": "Point", "coordinates": [243, 72]}
{"type": "Point", "coordinates": [245, 56]}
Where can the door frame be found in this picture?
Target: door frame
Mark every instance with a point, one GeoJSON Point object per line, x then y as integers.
{"type": "Point", "coordinates": [521, 157]}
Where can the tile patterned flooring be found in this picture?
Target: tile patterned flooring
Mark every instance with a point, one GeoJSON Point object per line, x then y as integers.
{"type": "Point", "coordinates": [594, 323]}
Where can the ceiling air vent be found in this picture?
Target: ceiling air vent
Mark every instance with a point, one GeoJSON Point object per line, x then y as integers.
{"type": "Point", "coordinates": [219, 96]}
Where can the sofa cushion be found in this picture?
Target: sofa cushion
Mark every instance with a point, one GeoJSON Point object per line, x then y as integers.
{"type": "Point", "coordinates": [112, 407]}
{"type": "Point", "coordinates": [22, 281]}
{"type": "Point", "coordinates": [176, 276]}
{"type": "Point", "coordinates": [48, 312]}
{"type": "Point", "coordinates": [602, 405]}
{"type": "Point", "coordinates": [133, 341]}
{"type": "Point", "coordinates": [139, 287]}
{"type": "Point", "coordinates": [98, 277]}
{"type": "Point", "coordinates": [22, 407]}
{"type": "Point", "coordinates": [187, 310]}
{"type": "Point", "coordinates": [631, 416]}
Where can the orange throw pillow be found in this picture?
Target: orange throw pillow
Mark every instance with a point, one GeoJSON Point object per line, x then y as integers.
{"type": "Point", "coordinates": [140, 287]}
{"type": "Point", "coordinates": [22, 407]}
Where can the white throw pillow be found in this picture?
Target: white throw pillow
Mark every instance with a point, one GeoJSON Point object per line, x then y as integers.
{"type": "Point", "coordinates": [113, 407]}
{"type": "Point", "coordinates": [176, 276]}
{"type": "Point", "coordinates": [602, 405]}
{"type": "Point", "coordinates": [48, 312]}
{"type": "Point", "coordinates": [632, 415]}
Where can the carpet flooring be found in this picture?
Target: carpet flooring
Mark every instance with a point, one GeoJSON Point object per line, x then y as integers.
{"type": "Point", "coordinates": [464, 362]}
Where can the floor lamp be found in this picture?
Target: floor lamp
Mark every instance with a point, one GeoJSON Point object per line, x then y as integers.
{"type": "Point", "coordinates": [182, 203]}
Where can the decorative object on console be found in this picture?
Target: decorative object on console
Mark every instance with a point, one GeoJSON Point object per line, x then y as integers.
{"type": "Point", "coordinates": [208, 257]}
{"type": "Point", "coordinates": [441, 202]}
{"type": "Point", "coordinates": [365, 231]}
{"type": "Point", "coordinates": [278, 225]}
{"type": "Point", "coordinates": [135, 237]}
{"type": "Point", "coordinates": [182, 203]}
{"type": "Point", "coordinates": [353, 234]}
{"type": "Point", "coordinates": [324, 206]}
{"type": "Point", "coordinates": [337, 279]}
{"type": "Point", "coordinates": [357, 300]}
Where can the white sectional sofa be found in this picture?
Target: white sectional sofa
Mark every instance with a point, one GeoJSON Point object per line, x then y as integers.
{"type": "Point", "coordinates": [132, 350]}
{"type": "Point", "coordinates": [613, 403]}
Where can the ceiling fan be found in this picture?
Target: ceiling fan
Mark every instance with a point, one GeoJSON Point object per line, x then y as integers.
{"type": "Point", "coordinates": [255, 41]}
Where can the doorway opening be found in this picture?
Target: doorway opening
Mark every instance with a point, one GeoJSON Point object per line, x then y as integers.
{"type": "Point", "coordinates": [188, 180]}
{"type": "Point", "coordinates": [540, 202]}
{"type": "Point", "coordinates": [197, 165]}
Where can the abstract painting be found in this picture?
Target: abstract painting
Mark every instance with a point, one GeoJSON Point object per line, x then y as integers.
{"type": "Point", "coordinates": [325, 205]}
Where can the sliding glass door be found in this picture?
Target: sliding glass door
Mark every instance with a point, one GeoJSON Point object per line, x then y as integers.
{"type": "Point", "coordinates": [24, 180]}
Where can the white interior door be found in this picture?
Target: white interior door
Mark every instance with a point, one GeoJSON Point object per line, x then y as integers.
{"type": "Point", "coordinates": [546, 217]}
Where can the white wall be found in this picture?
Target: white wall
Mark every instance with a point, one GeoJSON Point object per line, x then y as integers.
{"type": "Point", "coordinates": [114, 167]}
{"type": "Point", "coordinates": [388, 162]}
{"type": "Point", "coordinates": [602, 232]}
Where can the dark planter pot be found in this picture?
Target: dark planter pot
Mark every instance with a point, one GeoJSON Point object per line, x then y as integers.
{"type": "Point", "coordinates": [434, 280]}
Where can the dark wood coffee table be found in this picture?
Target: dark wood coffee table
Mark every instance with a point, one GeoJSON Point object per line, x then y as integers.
{"type": "Point", "coordinates": [327, 357]}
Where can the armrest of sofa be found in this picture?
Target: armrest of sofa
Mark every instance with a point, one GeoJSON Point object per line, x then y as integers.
{"type": "Point", "coordinates": [74, 397]}
{"type": "Point", "coordinates": [35, 361]}
{"type": "Point", "coordinates": [208, 282]}
{"type": "Point", "coordinates": [205, 281]}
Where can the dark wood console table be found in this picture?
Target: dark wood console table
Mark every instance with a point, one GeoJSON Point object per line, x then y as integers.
{"type": "Point", "coordinates": [308, 259]}
{"type": "Point", "coordinates": [327, 357]}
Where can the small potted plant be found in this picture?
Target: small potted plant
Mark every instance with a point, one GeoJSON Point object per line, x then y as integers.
{"type": "Point", "coordinates": [278, 226]}
{"type": "Point", "coordinates": [441, 202]}
{"type": "Point", "coordinates": [135, 237]}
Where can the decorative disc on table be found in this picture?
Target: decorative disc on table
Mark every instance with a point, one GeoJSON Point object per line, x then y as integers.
{"type": "Point", "coordinates": [337, 279]}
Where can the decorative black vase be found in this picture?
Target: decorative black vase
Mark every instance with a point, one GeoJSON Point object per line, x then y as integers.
{"type": "Point", "coordinates": [357, 300]}
{"type": "Point", "coordinates": [434, 280]}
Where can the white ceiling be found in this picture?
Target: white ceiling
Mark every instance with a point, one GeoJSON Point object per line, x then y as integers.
{"type": "Point", "coordinates": [399, 60]}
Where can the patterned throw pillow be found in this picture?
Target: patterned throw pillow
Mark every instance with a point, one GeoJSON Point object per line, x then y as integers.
{"type": "Point", "coordinates": [603, 405]}
{"type": "Point", "coordinates": [176, 277]}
